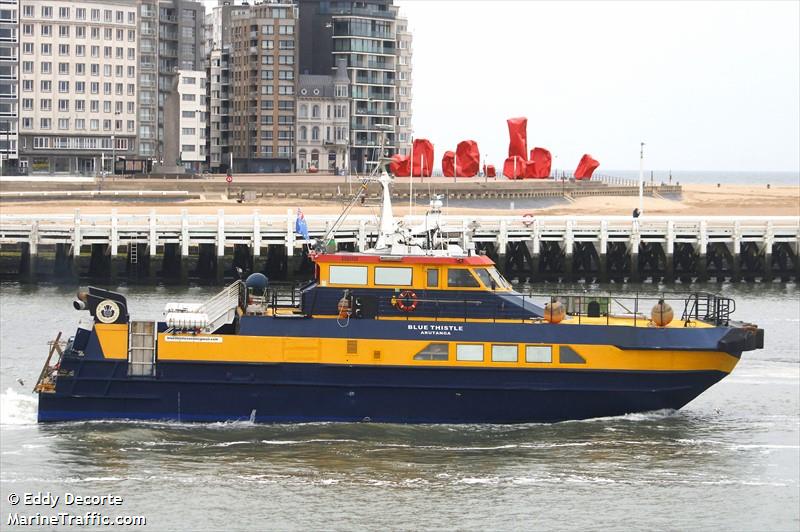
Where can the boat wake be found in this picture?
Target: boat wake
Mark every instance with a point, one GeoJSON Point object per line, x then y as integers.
{"type": "Point", "coordinates": [17, 408]}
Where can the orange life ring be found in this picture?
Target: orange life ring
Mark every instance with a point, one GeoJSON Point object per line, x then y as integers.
{"type": "Point", "coordinates": [407, 301]}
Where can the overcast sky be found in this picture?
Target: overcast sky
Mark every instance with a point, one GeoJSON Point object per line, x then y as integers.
{"type": "Point", "coordinates": [706, 85]}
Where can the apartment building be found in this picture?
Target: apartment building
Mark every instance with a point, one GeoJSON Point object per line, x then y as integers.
{"type": "Point", "coordinates": [171, 40]}
{"type": "Point", "coordinates": [192, 91]}
{"type": "Point", "coordinates": [405, 131]}
{"type": "Point", "coordinates": [323, 116]}
{"type": "Point", "coordinates": [364, 34]}
{"type": "Point", "coordinates": [217, 50]}
{"type": "Point", "coordinates": [9, 84]}
{"type": "Point", "coordinates": [262, 76]}
{"type": "Point", "coordinates": [78, 85]}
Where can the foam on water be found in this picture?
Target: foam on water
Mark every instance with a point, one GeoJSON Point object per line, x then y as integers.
{"type": "Point", "coordinates": [17, 408]}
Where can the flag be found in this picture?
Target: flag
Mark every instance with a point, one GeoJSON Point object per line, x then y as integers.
{"type": "Point", "coordinates": [300, 225]}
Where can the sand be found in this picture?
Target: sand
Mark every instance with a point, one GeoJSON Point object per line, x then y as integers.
{"type": "Point", "coordinates": [696, 200]}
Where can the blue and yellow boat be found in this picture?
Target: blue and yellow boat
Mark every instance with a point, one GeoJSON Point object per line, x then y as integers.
{"type": "Point", "coordinates": [415, 331]}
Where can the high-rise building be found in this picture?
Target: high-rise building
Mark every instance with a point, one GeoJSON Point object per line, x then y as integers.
{"type": "Point", "coordinates": [9, 83]}
{"type": "Point", "coordinates": [405, 131]}
{"type": "Point", "coordinates": [364, 34]}
{"type": "Point", "coordinates": [192, 91]}
{"type": "Point", "coordinates": [323, 115]}
{"type": "Point", "coordinates": [262, 75]}
{"type": "Point", "coordinates": [171, 40]}
{"type": "Point", "coordinates": [217, 51]}
{"type": "Point", "coordinates": [78, 91]}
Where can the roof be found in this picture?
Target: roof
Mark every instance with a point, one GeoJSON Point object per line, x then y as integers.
{"type": "Point", "coordinates": [363, 258]}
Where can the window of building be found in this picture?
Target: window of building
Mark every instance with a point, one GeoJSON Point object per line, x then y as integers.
{"type": "Point", "coordinates": [80, 87]}
{"type": "Point", "coordinates": [80, 13]}
{"type": "Point", "coordinates": [47, 49]}
{"type": "Point", "coordinates": [469, 352]}
{"type": "Point", "coordinates": [348, 275]}
{"type": "Point", "coordinates": [504, 353]}
{"type": "Point", "coordinates": [187, 114]}
{"type": "Point", "coordinates": [433, 351]}
{"type": "Point", "coordinates": [393, 276]}
{"type": "Point", "coordinates": [94, 106]}
{"type": "Point", "coordinates": [80, 105]}
{"type": "Point", "coordinates": [188, 147]}
{"type": "Point", "coordinates": [315, 133]}
{"type": "Point", "coordinates": [80, 123]}
{"type": "Point", "coordinates": [538, 353]}
{"type": "Point", "coordinates": [47, 12]}
{"type": "Point", "coordinates": [188, 97]}
{"type": "Point", "coordinates": [27, 11]}
{"type": "Point", "coordinates": [63, 31]}
{"type": "Point", "coordinates": [27, 104]}
{"type": "Point", "coordinates": [46, 30]}
{"type": "Point", "coordinates": [63, 86]}
{"type": "Point", "coordinates": [44, 123]}
{"type": "Point", "coordinates": [461, 278]}
{"type": "Point", "coordinates": [46, 85]}
{"type": "Point", "coordinates": [45, 67]}
{"type": "Point", "coordinates": [94, 124]}
{"type": "Point", "coordinates": [63, 123]}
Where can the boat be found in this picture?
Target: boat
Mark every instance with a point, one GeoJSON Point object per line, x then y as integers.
{"type": "Point", "coordinates": [417, 329]}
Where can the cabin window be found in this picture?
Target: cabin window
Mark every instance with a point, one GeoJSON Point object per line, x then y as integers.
{"type": "Point", "coordinates": [567, 355]}
{"type": "Point", "coordinates": [469, 352]}
{"type": "Point", "coordinates": [538, 353]}
{"type": "Point", "coordinates": [393, 276]}
{"type": "Point", "coordinates": [461, 278]}
{"type": "Point", "coordinates": [504, 353]}
{"type": "Point", "coordinates": [352, 275]}
{"type": "Point", "coordinates": [484, 276]}
{"type": "Point", "coordinates": [433, 351]}
{"type": "Point", "coordinates": [433, 278]}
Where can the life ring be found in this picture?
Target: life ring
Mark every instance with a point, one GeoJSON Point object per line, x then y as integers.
{"type": "Point", "coordinates": [527, 219]}
{"type": "Point", "coordinates": [407, 301]}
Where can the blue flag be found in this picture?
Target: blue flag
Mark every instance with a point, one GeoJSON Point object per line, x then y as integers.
{"type": "Point", "coordinates": [300, 225]}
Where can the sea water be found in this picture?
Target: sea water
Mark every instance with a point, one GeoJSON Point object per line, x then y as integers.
{"type": "Point", "coordinates": [730, 460]}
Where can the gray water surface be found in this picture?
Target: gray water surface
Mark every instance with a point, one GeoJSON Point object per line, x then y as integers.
{"type": "Point", "coordinates": [729, 460]}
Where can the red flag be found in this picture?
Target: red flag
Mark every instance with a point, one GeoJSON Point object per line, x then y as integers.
{"type": "Point", "coordinates": [541, 163]}
{"type": "Point", "coordinates": [586, 167]}
{"type": "Point", "coordinates": [518, 137]}
{"type": "Point", "coordinates": [423, 158]}
{"type": "Point", "coordinates": [448, 164]}
{"type": "Point", "coordinates": [468, 158]}
{"type": "Point", "coordinates": [514, 167]}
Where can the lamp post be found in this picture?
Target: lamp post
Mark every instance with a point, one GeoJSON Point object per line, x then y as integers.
{"type": "Point", "coordinates": [641, 178]}
{"type": "Point", "coordinates": [113, 156]}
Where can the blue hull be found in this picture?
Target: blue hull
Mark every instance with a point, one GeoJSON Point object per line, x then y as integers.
{"type": "Point", "coordinates": [209, 392]}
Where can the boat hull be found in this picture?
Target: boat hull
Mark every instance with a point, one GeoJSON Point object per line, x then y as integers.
{"type": "Point", "coordinates": [287, 392]}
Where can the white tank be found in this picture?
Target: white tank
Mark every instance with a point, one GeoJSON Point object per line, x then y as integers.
{"type": "Point", "coordinates": [186, 320]}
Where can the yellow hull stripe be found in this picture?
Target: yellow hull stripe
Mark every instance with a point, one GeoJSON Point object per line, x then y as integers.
{"type": "Point", "coordinates": [256, 349]}
{"type": "Point", "coordinates": [113, 340]}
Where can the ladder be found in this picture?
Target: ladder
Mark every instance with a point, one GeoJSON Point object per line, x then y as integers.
{"type": "Point", "coordinates": [133, 252]}
{"type": "Point", "coordinates": [141, 348]}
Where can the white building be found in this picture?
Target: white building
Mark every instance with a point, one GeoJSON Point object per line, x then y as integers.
{"type": "Point", "coordinates": [194, 112]}
{"type": "Point", "coordinates": [78, 85]}
{"type": "Point", "coordinates": [9, 82]}
{"type": "Point", "coordinates": [323, 113]}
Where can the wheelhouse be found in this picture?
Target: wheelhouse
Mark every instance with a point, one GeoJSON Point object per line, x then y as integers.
{"type": "Point", "coordinates": [471, 273]}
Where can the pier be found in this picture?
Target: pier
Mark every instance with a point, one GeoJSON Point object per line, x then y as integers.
{"type": "Point", "coordinates": [158, 247]}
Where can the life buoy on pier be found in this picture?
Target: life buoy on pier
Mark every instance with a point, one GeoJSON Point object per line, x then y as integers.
{"type": "Point", "coordinates": [406, 301]}
{"type": "Point", "coordinates": [527, 219]}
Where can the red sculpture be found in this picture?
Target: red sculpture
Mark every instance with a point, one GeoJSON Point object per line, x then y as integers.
{"type": "Point", "coordinates": [489, 170]}
{"type": "Point", "coordinates": [586, 167]}
{"type": "Point", "coordinates": [514, 167]}
{"type": "Point", "coordinates": [542, 160]}
{"type": "Point", "coordinates": [448, 164]}
{"type": "Point", "coordinates": [400, 165]}
{"type": "Point", "coordinates": [468, 158]}
{"type": "Point", "coordinates": [518, 137]}
{"type": "Point", "coordinates": [423, 158]}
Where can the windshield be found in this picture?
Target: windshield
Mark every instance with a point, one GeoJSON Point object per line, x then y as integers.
{"type": "Point", "coordinates": [484, 276]}
{"type": "Point", "coordinates": [499, 279]}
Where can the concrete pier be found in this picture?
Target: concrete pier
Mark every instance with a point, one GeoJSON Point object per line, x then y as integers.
{"type": "Point", "coordinates": [154, 247]}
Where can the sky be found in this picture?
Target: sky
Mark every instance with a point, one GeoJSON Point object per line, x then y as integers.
{"type": "Point", "coordinates": [706, 85]}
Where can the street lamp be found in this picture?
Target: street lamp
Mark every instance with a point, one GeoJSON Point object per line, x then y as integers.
{"type": "Point", "coordinates": [113, 156]}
